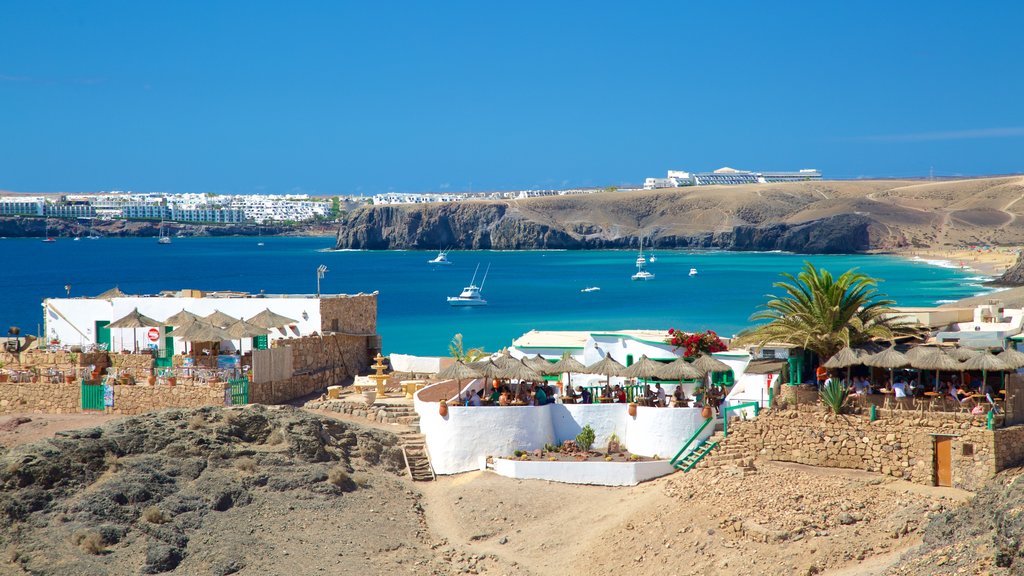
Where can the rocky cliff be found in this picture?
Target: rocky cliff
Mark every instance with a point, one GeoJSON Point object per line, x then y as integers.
{"type": "Point", "coordinates": [809, 217]}
{"type": "Point", "coordinates": [498, 226]}
{"type": "Point", "coordinates": [35, 227]}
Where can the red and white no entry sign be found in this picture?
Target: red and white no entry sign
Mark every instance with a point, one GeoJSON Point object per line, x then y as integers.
{"type": "Point", "coordinates": [153, 334]}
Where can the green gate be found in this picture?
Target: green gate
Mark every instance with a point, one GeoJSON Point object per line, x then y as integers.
{"type": "Point", "coordinates": [239, 391]}
{"type": "Point", "coordinates": [261, 342]}
{"type": "Point", "coordinates": [92, 397]}
{"type": "Point", "coordinates": [103, 334]}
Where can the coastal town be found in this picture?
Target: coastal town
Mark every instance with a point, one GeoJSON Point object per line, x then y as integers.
{"type": "Point", "coordinates": [936, 404]}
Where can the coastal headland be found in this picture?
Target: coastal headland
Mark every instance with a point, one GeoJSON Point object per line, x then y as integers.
{"type": "Point", "coordinates": [826, 217]}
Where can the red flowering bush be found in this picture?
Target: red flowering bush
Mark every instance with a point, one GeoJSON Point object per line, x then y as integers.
{"type": "Point", "coordinates": [695, 343]}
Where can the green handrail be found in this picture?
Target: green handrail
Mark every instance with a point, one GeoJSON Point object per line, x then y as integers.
{"type": "Point", "coordinates": [690, 441]}
{"type": "Point", "coordinates": [725, 414]}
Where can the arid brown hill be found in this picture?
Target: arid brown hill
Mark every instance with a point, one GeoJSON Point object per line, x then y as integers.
{"type": "Point", "coordinates": [810, 217]}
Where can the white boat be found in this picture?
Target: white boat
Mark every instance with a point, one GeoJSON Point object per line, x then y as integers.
{"type": "Point", "coordinates": [653, 259]}
{"type": "Point", "coordinates": [641, 262]}
{"type": "Point", "coordinates": [163, 238]}
{"type": "Point", "coordinates": [77, 238]}
{"type": "Point", "coordinates": [92, 235]}
{"type": "Point", "coordinates": [693, 271]}
{"type": "Point", "coordinates": [471, 294]}
{"type": "Point", "coordinates": [441, 258]}
{"type": "Point", "coordinates": [46, 235]}
{"type": "Point", "coordinates": [591, 289]}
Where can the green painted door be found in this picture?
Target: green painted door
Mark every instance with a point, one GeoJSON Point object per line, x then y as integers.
{"type": "Point", "coordinates": [261, 342]}
{"type": "Point", "coordinates": [102, 333]}
{"type": "Point", "coordinates": [163, 359]}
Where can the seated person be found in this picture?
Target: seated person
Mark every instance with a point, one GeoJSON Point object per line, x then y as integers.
{"type": "Point", "coordinates": [648, 392]}
{"type": "Point", "coordinates": [540, 396]}
{"type": "Point", "coordinates": [495, 396]}
{"type": "Point", "coordinates": [606, 391]}
{"type": "Point", "coordinates": [474, 399]}
{"type": "Point", "coordinates": [861, 386]}
{"type": "Point", "coordinates": [900, 388]}
{"type": "Point", "coordinates": [618, 394]}
{"type": "Point", "coordinates": [679, 395]}
{"type": "Point", "coordinates": [659, 394]}
{"type": "Point", "coordinates": [505, 398]}
{"type": "Point", "coordinates": [583, 395]}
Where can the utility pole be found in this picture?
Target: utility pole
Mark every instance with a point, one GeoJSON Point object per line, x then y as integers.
{"type": "Point", "coordinates": [320, 271]}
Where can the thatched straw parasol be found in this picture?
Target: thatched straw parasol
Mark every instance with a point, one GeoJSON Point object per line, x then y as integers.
{"type": "Point", "coordinates": [962, 354]}
{"type": "Point", "coordinates": [644, 368]}
{"type": "Point", "coordinates": [181, 318]}
{"type": "Point", "coordinates": [135, 320]}
{"type": "Point", "coordinates": [708, 364]}
{"type": "Point", "coordinates": [939, 361]}
{"type": "Point", "coordinates": [220, 319]}
{"type": "Point", "coordinates": [458, 371]}
{"type": "Point", "coordinates": [918, 352]}
{"type": "Point", "coordinates": [242, 329]}
{"type": "Point", "coordinates": [1012, 358]}
{"type": "Point", "coordinates": [567, 365]}
{"type": "Point", "coordinates": [538, 363]}
{"type": "Point", "coordinates": [680, 369]}
{"type": "Point", "coordinates": [200, 331]}
{"type": "Point", "coordinates": [268, 319]}
{"type": "Point", "coordinates": [517, 370]}
{"type": "Point", "coordinates": [888, 358]}
{"type": "Point", "coordinates": [607, 367]}
{"type": "Point", "coordinates": [986, 362]}
{"type": "Point", "coordinates": [114, 292]}
{"type": "Point", "coordinates": [846, 358]}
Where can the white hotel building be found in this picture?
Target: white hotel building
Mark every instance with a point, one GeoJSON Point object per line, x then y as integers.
{"type": "Point", "coordinates": [728, 176]}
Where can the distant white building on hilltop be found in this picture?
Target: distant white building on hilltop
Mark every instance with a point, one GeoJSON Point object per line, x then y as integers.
{"type": "Point", "coordinates": [726, 176]}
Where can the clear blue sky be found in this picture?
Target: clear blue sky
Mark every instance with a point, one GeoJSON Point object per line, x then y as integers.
{"type": "Point", "coordinates": [339, 97]}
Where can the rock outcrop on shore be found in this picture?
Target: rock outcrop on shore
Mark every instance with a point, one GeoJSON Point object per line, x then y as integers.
{"type": "Point", "coordinates": [808, 217]}
{"type": "Point", "coordinates": [1014, 276]}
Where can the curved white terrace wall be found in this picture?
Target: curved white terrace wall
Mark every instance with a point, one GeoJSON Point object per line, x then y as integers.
{"type": "Point", "coordinates": [598, 473]}
{"type": "Point", "coordinates": [464, 439]}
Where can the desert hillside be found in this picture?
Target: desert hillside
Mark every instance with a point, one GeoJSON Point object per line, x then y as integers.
{"type": "Point", "coordinates": [813, 217]}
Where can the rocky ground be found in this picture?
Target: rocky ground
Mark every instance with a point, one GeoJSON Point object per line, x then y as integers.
{"type": "Point", "coordinates": [283, 491]}
{"type": "Point", "coordinates": [214, 491]}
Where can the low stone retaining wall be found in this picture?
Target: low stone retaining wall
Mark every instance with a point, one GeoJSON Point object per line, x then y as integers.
{"type": "Point", "coordinates": [903, 447]}
{"type": "Point", "coordinates": [67, 398]}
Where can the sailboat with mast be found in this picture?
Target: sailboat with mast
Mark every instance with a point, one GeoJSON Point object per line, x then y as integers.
{"type": "Point", "coordinates": [163, 238]}
{"type": "Point", "coordinates": [92, 233]}
{"type": "Point", "coordinates": [46, 235]}
{"type": "Point", "coordinates": [471, 294]}
{"type": "Point", "coordinates": [641, 265]}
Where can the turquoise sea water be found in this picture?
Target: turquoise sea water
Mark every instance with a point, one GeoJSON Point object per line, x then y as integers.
{"type": "Point", "coordinates": [526, 290]}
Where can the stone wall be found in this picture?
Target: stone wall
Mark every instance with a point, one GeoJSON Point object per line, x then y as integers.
{"type": "Point", "coordinates": [349, 314]}
{"type": "Point", "coordinates": [317, 362]}
{"type": "Point", "coordinates": [66, 398]}
{"type": "Point", "coordinates": [901, 446]}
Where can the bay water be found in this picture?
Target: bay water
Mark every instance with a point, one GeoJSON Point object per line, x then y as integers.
{"type": "Point", "coordinates": [525, 289]}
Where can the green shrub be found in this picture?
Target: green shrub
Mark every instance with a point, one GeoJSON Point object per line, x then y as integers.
{"type": "Point", "coordinates": [834, 394]}
{"type": "Point", "coordinates": [585, 439]}
{"type": "Point", "coordinates": [517, 453]}
{"type": "Point", "coordinates": [550, 448]}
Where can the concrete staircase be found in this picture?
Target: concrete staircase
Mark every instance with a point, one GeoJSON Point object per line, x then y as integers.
{"type": "Point", "coordinates": [416, 460]}
{"type": "Point", "coordinates": [732, 451]}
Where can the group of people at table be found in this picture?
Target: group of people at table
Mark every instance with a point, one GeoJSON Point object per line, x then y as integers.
{"type": "Point", "coordinates": [539, 395]}
{"type": "Point", "coordinates": [904, 388]}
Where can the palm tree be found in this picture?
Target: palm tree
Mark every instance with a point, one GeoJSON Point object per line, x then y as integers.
{"type": "Point", "coordinates": [459, 353]}
{"type": "Point", "coordinates": [822, 313]}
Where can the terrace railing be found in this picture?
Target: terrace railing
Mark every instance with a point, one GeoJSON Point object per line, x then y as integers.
{"type": "Point", "coordinates": [725, 414]}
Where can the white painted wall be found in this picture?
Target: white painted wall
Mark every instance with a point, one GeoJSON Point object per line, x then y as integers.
{"type": "Point", "coordinates": [73, 320]}
{"type": "Point", "coordinates": [462, 441]}
{"type": "Point", "coordinates": [597, 473]}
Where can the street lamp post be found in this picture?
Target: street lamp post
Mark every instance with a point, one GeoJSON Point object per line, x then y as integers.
{"type": "Point", "coordinates": [320, 271]}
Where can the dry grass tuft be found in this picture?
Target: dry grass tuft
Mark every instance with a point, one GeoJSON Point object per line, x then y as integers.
{"type": "Point", "coordinates": [245, 464]}
{"type": "Point", "coordinates": [13, 467]}
{"type": "Point", "coordinates": [90, 541]}
{"type": "Point", "coordinates": [155, 515]}
{"type": "Point", "coordinates": [229, 416]}
{"type": "Point", "coordinates": [197, 422]}
{"type": "Point", "coordinates": [338, 476]}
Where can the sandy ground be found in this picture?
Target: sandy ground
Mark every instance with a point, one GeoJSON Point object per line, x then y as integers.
{"type": "Point", "coordinates": [14, 430]}
{"type": "Point", "coordinates": [991, 262]}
